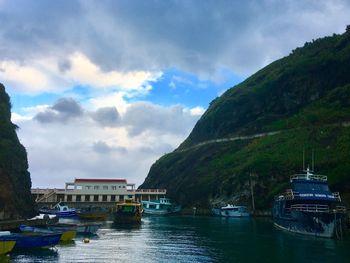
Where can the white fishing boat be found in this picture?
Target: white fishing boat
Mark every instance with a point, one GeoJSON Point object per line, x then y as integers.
{"type": "Point", "coordinates": [231, 211]}
{"type": "Point", "coordinates": [163, 206]}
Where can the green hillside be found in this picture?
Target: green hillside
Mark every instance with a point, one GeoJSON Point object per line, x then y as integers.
{"type": "Point", "coordinates": [304, 98]}
{"type": "Point", "coordinates": [15, 197]}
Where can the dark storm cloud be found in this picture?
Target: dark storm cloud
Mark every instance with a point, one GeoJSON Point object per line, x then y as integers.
{"type": "Point", "coordinates": [63, 110]}
{"type": "Point", "coordinates": [153, 35]}
{"type": "Point", "coordinates": [106, 116]}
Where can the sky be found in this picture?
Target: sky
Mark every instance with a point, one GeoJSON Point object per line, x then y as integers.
{"type": "Point", "coordinates": [102, 89]}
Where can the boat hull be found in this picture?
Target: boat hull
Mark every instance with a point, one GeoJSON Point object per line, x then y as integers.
{"type": "Point", "coordinates": [92, 216]}
{"type": "Point", "coordinates": [309, 223]}
{"type": "Point", "coordinates": [66, 234]}
{"type": "Point", "coordinates": [62, 214]}
{"type": "Point", "coordinates": [34, 240]}
{"type": "Point", "coordinates": [6, 246]}
{"type": "Point", "coordinates": [78, 228]}
{"type": "Point", "coordinates": [159, 211]}
{"type": "Point", "coordinates": [229, 213]}
{"type": "Point", "coordinates": [120, 218]}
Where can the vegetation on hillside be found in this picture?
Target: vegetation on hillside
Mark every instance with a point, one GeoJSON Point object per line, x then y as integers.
{"type": "Point", "coordinates": [305, 96]}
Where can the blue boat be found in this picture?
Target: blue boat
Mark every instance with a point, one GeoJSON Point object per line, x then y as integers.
{"type": "Point", "coordinates": [27, 240]}
{"type": "Point", "coordinates": [60, 209]}
{"type": "Point", "coordinates": [309, 207]}
{"type": "Point", "coordinates": [163, 206]}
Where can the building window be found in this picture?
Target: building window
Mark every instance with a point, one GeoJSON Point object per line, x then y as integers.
{"type": "Point", "coordinates": [79, 187]}
{"type": "Point", "coordinates": [96, 198]}
{"type": "Point", "coordinates": [104, 198]}
{"type": "Point", "coordinates": [78, 198]}
{"type": "Point", "coordinates": [69, 198]}
{"type": "Point", "coordinates": [112, 198]}
{"type": "Point", "coordinates": [105, 187]}
{"type": "Point", "coordinates": [87, 198]}
{"type": "Point", "coordinates": [88, 187]}
{"type": "Point", "coordinates": [121, 198]}
{"type": "Point", "coordinates": [124, 186]}
{"type": "Point", "coordinates": [96, 187]}
{"type": "Point", "coordinates": [120, 186]}
{"type": "Point", "coordinates": [114, 187]}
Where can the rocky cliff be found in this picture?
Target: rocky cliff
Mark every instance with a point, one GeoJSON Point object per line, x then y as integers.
{"type": "Point", "coordinates": [256, 132]}
{"type": "Point", "coordinates": [15, 183]}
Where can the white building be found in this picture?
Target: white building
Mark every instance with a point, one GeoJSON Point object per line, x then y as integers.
{"type": "Point", "coordinates": [106, 192]}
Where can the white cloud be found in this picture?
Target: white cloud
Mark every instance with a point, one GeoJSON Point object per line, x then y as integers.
{"type": "Point", "coordinates": [58, 152]}
{"type": "Point", "coordinates": [83, 71]}
{"type": "Point", "coordinates": [24, 78]}
{"type": "Point", "coordinates": [197, 111]}
{"type": "Point", "coordinates": [51, 74]}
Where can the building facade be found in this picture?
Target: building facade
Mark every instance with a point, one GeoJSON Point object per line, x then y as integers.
{"type": "Point", "coordinates": [86, 192]}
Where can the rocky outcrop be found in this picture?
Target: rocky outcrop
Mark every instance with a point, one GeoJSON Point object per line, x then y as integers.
{"type": "Point", "coordinates": [15, 183]}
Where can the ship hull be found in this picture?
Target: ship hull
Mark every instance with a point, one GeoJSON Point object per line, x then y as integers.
{"type": "Point", "coordinates": [308, 223]}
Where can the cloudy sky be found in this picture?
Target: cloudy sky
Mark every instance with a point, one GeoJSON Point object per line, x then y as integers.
{"type": "Point", "coordinates": [102, 89]}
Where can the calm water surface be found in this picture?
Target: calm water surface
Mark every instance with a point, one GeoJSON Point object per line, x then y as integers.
{"type": "Point", "coordinates": [193, 239]}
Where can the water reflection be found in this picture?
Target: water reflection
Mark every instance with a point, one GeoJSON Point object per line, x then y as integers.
{"type": "Point", "coordinates": [35, 255]}
{"type": "Point", "coordinates": [193, 239]}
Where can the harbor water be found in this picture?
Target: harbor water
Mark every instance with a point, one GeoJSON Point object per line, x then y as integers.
{"type": "Point", "coordinates": [193, 239]}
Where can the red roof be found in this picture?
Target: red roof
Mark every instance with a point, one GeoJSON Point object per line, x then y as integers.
{"type": "Point", "coordinates": [100, 180]}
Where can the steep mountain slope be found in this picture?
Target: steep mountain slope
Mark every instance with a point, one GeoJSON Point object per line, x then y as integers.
{"type": "Point", "coordinates": [299, 102]}
{"type": "Point", "coordinates": [15, 183]}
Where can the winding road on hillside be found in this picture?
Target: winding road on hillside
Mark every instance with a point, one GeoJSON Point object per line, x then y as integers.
{"type": "Point", "coordinates": [249, 137]}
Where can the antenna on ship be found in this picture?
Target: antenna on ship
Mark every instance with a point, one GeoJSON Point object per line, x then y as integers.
{"type": "Point", "coordinates": [313, 161]}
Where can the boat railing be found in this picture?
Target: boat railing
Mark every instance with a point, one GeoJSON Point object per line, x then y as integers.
{"type": "Point", "coordinates": [310, 208]}
{"type": "Point", "coordinates": [340, 209]}
{"type": "Point", "coordinates": [289, 194]}
{"type": "Point", "coordinates": [315, 177]}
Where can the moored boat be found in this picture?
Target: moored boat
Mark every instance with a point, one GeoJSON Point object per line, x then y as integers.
{"type": "Point", "coordinates": [163, 206]}
{"type": "Point", "coordinates": [6, 245]}
{"type": "Point", "coordinates": [27, 240]}
{"type": "Point", "coordinates": [60, 209]}
{"type": "Point", "coordinates": [92, 213]}
{"type": "Point", "coordinates": [67, 235]}
{"type": "Point", "coordinates": [231, 211]}
{"type": "Point", "coordinates": [309, 207]}
{"type": "Point", "coordinates": [128, 212]}
{"type": "Point", "coordinates": [80, 228]}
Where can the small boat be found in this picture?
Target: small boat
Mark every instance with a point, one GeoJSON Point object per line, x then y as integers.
{"type": "Point", "coordinates": [25, 240]}
{"type": "Point", "coordinates": [163, 206]}
{"type": "Point", "coordinates": [128, 212]}
{"type": "Point", "coordinates": [80, 228]}
{"type": "Point", "coordinates": [6, 245]}
{"type": "Point", "coordinates": [309, 207]}
{"type": "Point", "coordinates": [93, 213]}
{"type": "Point", "coordinates": [60, 209]}
{"type": "Point", "coordinates": [231, 211]}
{"type": "Point", "coordinates": [67, 235]}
